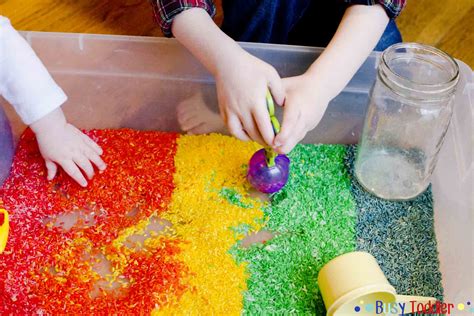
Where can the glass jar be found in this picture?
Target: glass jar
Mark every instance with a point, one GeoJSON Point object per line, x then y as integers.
{"type": "Point", "coordinates": [409, 113]}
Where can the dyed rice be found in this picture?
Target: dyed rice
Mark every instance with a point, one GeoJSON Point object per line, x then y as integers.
{"type": "Point", "coordinates": [161, 231]}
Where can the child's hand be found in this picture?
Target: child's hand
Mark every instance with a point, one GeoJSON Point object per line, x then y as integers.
{"type": "Point", "coordinates": [241, 91]}
{"type": "Point", "coordinates": [242, 80]}
{"type": "Point", "coordinates": [62, 144]}
{"type": "Point", "coordinates": [304, 107]}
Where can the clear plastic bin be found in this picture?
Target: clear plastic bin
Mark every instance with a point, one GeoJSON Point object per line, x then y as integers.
{"type": "Point", "coordinates": [135, 82]}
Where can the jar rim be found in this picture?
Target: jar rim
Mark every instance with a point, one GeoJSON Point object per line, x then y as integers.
{"type": "Point", "coordinates": [433, 50]}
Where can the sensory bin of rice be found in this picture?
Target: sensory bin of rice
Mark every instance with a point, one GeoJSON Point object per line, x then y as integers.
{"type": "Point", "coordinates": [164, 231]}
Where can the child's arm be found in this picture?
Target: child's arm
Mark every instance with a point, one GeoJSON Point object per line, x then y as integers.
{"type": "Point", "coordinates": [241, 79]}
{"type": "Point", "coordinates": [308, 95]}
{"type": "Point", "coordinates": [27, 85]}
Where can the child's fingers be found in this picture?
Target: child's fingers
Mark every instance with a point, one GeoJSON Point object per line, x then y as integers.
{"type": "Point", "coordinates": [275, 85]}
{"type": "Point", "coordinates": [73, 171]}
{"type": "Point", "coordinates": [52, 168]}
{"type": "Point", "coordinates": [86, 166]}
{"type": "Point", "coordinates": [235, 127]}
{"type": "Point", "coordinates": [264, 125]}
{"type": "Point", "coordinates": [288, 145]}
{"type": "Point", "coordinates": [96, 160]}
{"type": "Point", "coordinates": [222, 112]}
{"type": "Point", "coordinates": [92, 144]}
{"type": "Point", "coordinates": [251, 128]}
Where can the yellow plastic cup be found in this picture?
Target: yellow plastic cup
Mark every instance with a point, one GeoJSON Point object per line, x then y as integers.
{"type": "Point", "coordinates": [4, 227]}
{"type": "Point", "coordinates": [356, 280]}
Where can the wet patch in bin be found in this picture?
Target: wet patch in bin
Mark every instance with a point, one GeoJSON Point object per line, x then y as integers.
{"type": "Point", "coordinates": [401, 236]}
{"type": "Point", "coordinates": [172, 227]}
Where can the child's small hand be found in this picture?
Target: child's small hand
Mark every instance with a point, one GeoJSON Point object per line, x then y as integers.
{"type": "Point", "coordinates": [62, 144]}
{"type": "Point", "coordinates": [304, 107]}
{"type": "Point", "coordinates": [241, 91]}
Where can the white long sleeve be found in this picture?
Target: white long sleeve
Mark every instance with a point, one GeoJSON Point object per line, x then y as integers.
{"type": "Point", "coordinates": [24, 81]}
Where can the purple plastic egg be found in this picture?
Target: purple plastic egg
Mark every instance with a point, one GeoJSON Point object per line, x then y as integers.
{"type": "Point", "coordinates": [265, 178]}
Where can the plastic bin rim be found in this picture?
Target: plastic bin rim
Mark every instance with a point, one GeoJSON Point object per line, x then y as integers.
{"type": "Point", "coordinates": [155, 39]}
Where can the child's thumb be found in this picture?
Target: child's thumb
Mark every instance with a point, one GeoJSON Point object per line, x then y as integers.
{"type": "Point", "coordinates": [275, 84]}
{"type": "Point", "coordinates": [285, 140]}
{"type": "Point", "coordinates": [52, 169]}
